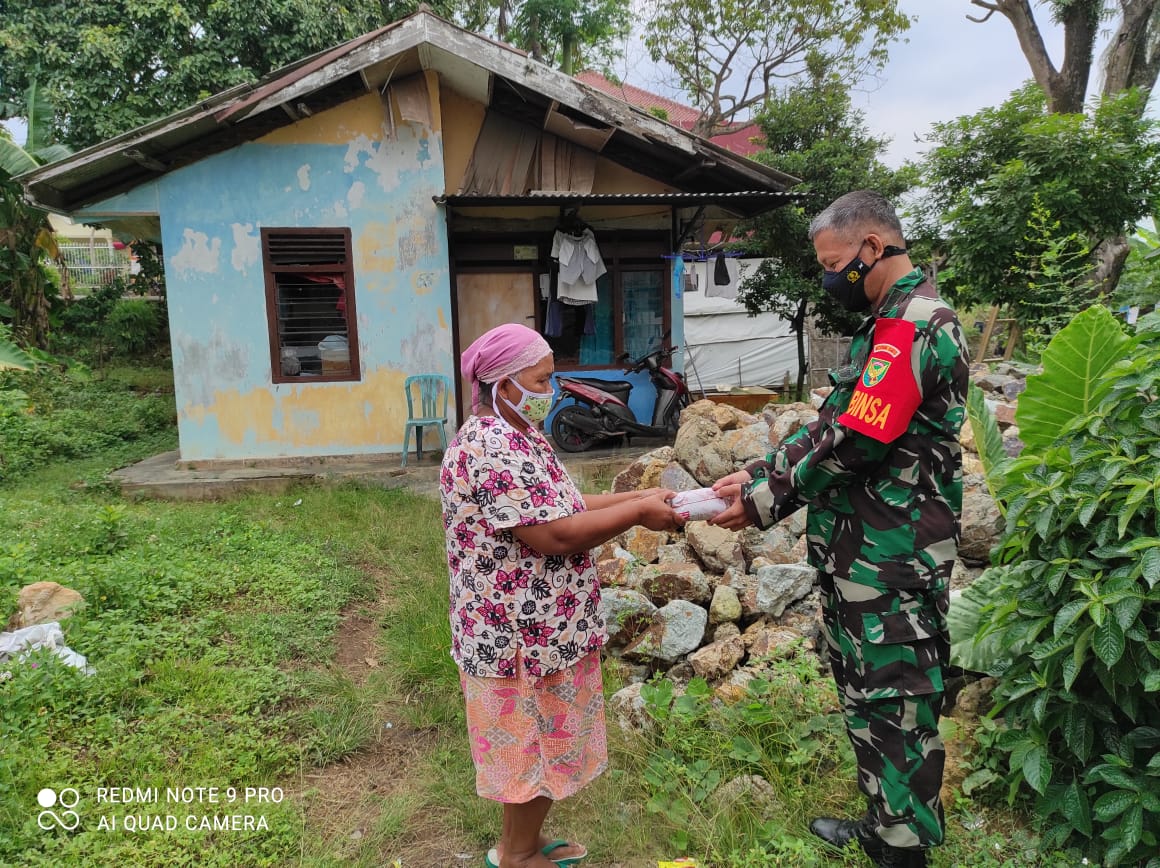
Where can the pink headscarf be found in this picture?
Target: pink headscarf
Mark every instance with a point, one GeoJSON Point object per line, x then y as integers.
{"type": "Point", "coordinates": [502, 352]}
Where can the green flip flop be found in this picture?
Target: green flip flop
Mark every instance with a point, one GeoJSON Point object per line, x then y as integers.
{"type": "Point", "coordinates": [491, 858]}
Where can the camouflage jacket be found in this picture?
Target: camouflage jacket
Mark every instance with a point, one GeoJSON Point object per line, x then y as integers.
{"type": "Point", "coordinates": [881, 468]}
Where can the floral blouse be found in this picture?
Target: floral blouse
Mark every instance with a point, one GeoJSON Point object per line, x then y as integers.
{"type": "Point", "coordinates": [506, 596]}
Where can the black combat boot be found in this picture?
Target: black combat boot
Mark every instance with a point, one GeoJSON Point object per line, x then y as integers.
{"type": "Point", "coordinates": [839, 833]}
{"type": "Point", "coordinates": [895, 857]}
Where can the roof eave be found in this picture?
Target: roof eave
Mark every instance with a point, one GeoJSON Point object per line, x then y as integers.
{"type": "Point", "coordinates": [245, 112]}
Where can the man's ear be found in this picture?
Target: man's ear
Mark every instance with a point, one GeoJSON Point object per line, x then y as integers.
{"type": "Point", "coordinates": [877, 245]}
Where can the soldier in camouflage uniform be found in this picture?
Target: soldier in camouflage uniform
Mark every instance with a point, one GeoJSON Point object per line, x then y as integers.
{"type": "Point", "coordinates": [881, 474]}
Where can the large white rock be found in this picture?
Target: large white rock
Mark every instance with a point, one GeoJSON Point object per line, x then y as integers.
{"type": "Point", "coordinates": [645, 471]}
{"type": "Point", "coordinates": [778, 585]}
{"type": "Point", "coordinates": [701, 451]}
{"type": "Point", "coordinates": [678, 628]}
{"type": "Point", "coordinates": [628, 710]}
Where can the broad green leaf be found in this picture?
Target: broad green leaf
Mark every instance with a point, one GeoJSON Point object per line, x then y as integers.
{"type": "Point", "coordinates": [1132, 826]}
{"type": "Point", "coordinates": [14, 159]}
{"type": "Point", "coordinates": [1111, 805]}
{"type": "Point", "coordinates": [1069, 614]}
{"type": "Point", "coordinates": [1109, 642]}
{"type": "Point", "coordinates": [11, 356]}
{"type": "Point", "coordinates": [1078, 732]}
{"type": "Point", "coordinates": [1069, 386]}
{"type": "Point", "coordinates": [1037, 769]}
{"type": "Point", "coordinates": [1077, 808]}
{"type": "Point", "coordinates": [1151, 565]}
{"type": "Point", "coordinates": [988, 440]}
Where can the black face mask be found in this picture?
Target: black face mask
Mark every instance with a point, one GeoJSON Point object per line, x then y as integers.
{"type": "Point", "coordinates": [848, 286]}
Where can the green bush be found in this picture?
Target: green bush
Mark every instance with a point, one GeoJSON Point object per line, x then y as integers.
{"type": "Point", "coordinates": [1074, 611]}
{"type": "Point", "coordinates": [49, 414]}
{"type": "Point", "coordinates": [132, 326]}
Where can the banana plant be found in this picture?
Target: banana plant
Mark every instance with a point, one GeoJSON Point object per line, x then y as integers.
{"type": "Point", "coordinates": [26, 238]}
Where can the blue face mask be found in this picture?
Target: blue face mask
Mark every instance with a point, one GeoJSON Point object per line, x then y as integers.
{"type": "Point", "coordinates": [848, 285]}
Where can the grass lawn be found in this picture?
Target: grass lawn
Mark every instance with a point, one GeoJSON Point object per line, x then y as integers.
{"type": "Point", "coordinates": [299, 643]}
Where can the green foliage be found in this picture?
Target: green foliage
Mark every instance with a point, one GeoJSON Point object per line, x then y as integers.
{"type": "Point", "coordinates": [48, 415]}
{"type": "Point", "coordinates": [1140, 282]}
{"type": "Point", "coordinates": [777, 730]}
{"type": "Point", "coordinates": [728, 54]}
{"type": "Point", "coordinates": [11, 356]}
{"type": "Point", "coordinates": [1075, 593]}
{"type": "Point", "coordinates": [812, 133]}
{"type": "Point", "coordinates": [571, 34]}
{"type": "Point", "coordinates": [1072, 381]}
{"type": "Point", "coordinates": [133, 326]}
{"type": "Point", "coordinates": [1051, 271]}
{"type": "Point", "coordinates": [1094, 174]}
{"type": "Point", "coordinates": [986, 430]}
{"type": "Point", "coordinates": [26, 238]}
{"type": "Point", "coordinates": [112, 65]}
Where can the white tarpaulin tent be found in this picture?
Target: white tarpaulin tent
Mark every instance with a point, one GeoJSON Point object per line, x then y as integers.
{"type": "Point", "coordinates": [725, 346]}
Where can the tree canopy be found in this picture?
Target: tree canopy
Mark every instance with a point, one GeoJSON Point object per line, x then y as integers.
{"type": "Point", "coordinates": [111, 65]}
{"type": "Point", "coordinates": [811, 132]}
{"type": "Point", "coordinates": [1092, 175]}
{"type": "Point", "coordinates": [569, 34]}
{"type": "Point", "coordinates": [730, 56]}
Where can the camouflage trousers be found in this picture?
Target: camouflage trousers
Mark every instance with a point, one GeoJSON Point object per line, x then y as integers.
{"type": "Point", "coordinates": [888, 648]}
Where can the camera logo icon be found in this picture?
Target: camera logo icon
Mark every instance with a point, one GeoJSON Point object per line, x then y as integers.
{"type": "Point", "coordinates": [67, 799]}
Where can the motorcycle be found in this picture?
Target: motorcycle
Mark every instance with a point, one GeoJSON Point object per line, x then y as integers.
{"type": "Point", "coordinates": [600, 408]}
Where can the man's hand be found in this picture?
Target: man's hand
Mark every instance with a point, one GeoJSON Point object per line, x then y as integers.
{"type": "Point", "coordinates": [730, 488]}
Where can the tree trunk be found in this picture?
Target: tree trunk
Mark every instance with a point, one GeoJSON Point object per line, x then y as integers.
{"type": "Point", "coordinates": [1133, 55]}
{"type": "Point", "coordinates": [1110, 256]}
{"type": "Point", "coordinates": [1065, 88]}
{"type": "Point", "coordinates": [799, 326]}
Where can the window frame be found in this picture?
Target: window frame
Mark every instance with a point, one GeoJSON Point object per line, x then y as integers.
{"type": "Point", "coordinates": [270, 270]}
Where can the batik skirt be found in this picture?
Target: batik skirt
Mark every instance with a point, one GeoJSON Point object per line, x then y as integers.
{"type": "Point", "coordinates": [533, 737]}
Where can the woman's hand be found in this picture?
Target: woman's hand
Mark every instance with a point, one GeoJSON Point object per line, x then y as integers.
{"type": "Point", "coordinates": [656, 513]}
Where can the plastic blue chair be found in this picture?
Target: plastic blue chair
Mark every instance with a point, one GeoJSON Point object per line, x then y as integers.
{"type": "Point", "coordinates": [434, 392]}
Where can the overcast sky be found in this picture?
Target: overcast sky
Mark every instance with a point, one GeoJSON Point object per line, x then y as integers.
{"type": "Point", "coordinates": [948, 67]}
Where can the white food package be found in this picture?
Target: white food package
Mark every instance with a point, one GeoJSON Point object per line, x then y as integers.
{"type": "Point", "coordinates": [700, 504]}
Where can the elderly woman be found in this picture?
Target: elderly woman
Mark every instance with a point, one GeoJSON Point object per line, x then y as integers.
{"type": "Point", "coordinates": [525, 601]}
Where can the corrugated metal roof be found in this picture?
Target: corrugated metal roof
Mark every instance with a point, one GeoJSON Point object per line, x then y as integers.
{"type": "Point", "coordinates": [640, 141]}
{"type": "Point", "coordinates": [745, 203]}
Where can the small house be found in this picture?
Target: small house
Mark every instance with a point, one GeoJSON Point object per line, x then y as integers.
{"type": "Point", "coordinates": [366, 213]}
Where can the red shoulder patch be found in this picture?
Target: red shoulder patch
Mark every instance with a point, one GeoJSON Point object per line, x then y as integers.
{"type": "Point", "coordinates": [887, 393]}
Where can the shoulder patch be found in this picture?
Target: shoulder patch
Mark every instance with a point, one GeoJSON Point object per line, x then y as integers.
{"type": "Point", "coordinates": [887, 393]}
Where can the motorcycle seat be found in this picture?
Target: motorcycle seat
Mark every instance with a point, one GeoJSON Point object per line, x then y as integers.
{"type": "Point", "coordinates": [613, 386]}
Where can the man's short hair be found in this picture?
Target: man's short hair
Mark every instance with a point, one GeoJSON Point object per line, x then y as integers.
{"type": "Point", "coordinates": [857, 213]}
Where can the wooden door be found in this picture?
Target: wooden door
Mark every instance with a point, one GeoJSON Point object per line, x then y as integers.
{"type": "Point", "coordinates": [484, 301]}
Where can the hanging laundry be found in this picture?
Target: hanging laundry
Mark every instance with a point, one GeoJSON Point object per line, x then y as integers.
{"type": "Point", "coordinates": [580, 266]}
{"type": "Point", "coordinates": [554, 320]}
{"type": "Point", "coordinates": [731, 270]}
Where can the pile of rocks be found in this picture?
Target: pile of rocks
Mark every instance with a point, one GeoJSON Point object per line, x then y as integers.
{"type": "Point", "coordinates": [714, 603]}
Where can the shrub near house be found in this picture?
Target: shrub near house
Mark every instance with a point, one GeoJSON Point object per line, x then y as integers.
{"type": "Point", "coordinates": [1071, 610]}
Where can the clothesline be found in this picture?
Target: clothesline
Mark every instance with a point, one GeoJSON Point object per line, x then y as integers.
{"type": "Point", "coordinates": [703, 256]}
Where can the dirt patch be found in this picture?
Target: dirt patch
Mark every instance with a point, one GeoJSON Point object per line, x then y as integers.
{"type": "Point", "coordinates": [348, 803]}
{"type": "Point", "coordinates": [357, 643]}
